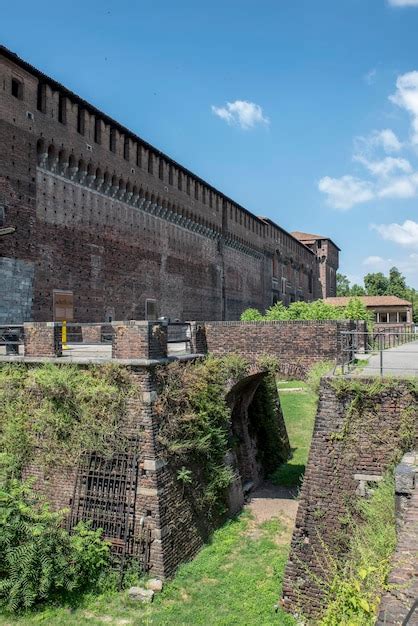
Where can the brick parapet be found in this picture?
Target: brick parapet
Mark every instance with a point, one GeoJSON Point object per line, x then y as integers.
{"type": "Point", "coordinates": [139, 340]}
{"type": "Point", "coordinates": [42, 339]}
{"type": "Point", "coordinates": [297, 344]}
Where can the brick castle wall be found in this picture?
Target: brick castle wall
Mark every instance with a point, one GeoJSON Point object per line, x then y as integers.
{"type": "Point", "coordinates": [118, 225]}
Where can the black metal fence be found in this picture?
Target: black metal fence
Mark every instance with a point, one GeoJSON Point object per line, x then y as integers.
{"type": "Point", "coordinates": [388, 352]}
{"type": "Point", "coordinates": [11, 338]}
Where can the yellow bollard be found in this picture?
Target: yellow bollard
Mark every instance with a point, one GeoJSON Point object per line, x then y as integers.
{"type": "Point", "coordinates": [64, 336]}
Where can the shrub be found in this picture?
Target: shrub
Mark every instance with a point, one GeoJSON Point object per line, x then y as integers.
{"type": "Point", "coordinates": [317, 310]}
{"type": "Point", "coordinates": [39, 560]}
{"type": "Point", "coordinates": [251, 315]}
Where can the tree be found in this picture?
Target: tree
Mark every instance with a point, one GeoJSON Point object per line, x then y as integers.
{"type": "Point", "coordinates": [397, 284]}
{"type": "Point", "coordinates": [357, 290]}
{"type": "Point", "coordinates": [343, 285]}
{"type": "Point", "coordinates": [376, 284]}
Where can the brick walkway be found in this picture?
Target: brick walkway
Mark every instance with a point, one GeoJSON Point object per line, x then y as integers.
{"type": "Point", "coordinates": [404, 574]}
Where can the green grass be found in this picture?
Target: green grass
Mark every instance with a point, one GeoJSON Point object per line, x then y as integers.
{"type": "Point", "coordinates": [290, 384]}
{"type": "Point", "coordinates": [235, 580]}
{"type": "Point", "coordinates": [299, 410]}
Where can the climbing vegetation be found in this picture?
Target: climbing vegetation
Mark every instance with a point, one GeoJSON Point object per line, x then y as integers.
{"type": "Point", "coordinates": [196, 425]}
{"type": "Point", "coordinates": [59, 412]}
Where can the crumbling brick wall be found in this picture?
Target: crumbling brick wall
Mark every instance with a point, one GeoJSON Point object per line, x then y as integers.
{"type": "Point", "coordinates": [347, 450]}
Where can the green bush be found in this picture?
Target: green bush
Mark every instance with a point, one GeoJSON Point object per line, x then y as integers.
{"type": "Point", "coordinates": [39, 560]}
{"type": "Point", "coordinates": [317, 310]}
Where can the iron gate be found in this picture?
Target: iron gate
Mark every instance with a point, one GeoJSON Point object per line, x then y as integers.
{"type": "Point", "coordinates": [105, 494]}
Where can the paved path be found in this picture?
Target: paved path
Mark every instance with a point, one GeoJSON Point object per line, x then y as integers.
{"type": "Point", "coordinates": [400, 361]}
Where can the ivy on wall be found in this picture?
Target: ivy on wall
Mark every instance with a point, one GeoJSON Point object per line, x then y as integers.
{"type": "Point", "coordinates": [195, 428]}
{"type": "Point", "coordinates": [60, 412]}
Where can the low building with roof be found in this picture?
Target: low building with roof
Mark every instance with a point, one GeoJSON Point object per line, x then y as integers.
{"type": "Point", "coordinates": [387, 310]}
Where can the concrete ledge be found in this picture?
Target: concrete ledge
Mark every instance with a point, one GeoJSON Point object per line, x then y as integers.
{"type": "Point", "coordinates": [62, 360]}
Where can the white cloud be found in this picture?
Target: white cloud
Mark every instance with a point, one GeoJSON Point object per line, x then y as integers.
{"type": "Point", "coordinates": [384, 138]}
{"type": "Point", "coordinates": [406, 97]}
{"type": "Point", "coordinates": [401, 188]}
{"type": "Point", "coordinates": [403, 3]}
{"type": "Point", "coordinates": [405, 234]}
{"type": "Point", "coordinates": [244, 114]}
{"type": "Point", "coordinates": [407, 265]}
{"type": "Point", "coordinates": [386, 166]}
{"type": "Point", "coordinates": [345, 192]}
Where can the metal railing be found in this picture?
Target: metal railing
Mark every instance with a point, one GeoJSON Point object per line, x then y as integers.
{"type": "Point", "coordinates": [388, 352]}
{"type": "Point", "coordinates": [179, 337]}
{"type": "Point", "coordinates": [11, 338]}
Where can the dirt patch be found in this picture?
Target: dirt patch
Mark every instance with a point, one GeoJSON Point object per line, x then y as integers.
{"type": "Point", "coordinates": [271, 501]}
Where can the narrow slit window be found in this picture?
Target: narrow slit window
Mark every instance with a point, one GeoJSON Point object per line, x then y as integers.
{"type": "Point", "coordinates": [41, 98]}
{"type": "Point", "coordinates": [126, 149]}
{"type": "Point", "coordinates": [98, 130]}
{"type": "Point", "coordinates": [80, 121]}
{"type": "Point", "coordinates": [112, 140]}
{"type": "Point", "coordinates": [62, 109]}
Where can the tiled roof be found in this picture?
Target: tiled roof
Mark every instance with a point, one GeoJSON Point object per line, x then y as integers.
{"type": "Point", "coordinates": [304, 237]}
{"type": "Point", "coordinates": [371, 301]}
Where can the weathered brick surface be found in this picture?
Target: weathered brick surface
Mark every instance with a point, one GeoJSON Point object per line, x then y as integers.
{"type": "Point", "coordinates": [118, 227]}
{"type": "Point", "coordinates": [139, 339]}
{"type": "Point", "coordinates": [42, 339]}
{"type": "Point", "coordinates": [161, 503]}
{"type": "Point", "coordinates": [403, 578]}
{"type": "Point", "coordinates": [297, 345]}
{"type": "Point", "coordinates": [341, 448]}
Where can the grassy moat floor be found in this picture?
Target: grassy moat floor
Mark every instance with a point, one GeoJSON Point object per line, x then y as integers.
{"type": "Point", "coordinates": [234, 580]}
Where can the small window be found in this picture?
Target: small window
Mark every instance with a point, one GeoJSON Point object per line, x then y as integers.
{"type": "Point", "coordinates": [62, 109]}
{"type": "Point", "coordinates": [188, 185]}
{"type": "Point", "coordinates": [161, 169]}
{"type": "Point", "coordinates": [170, 175]}
{"type": "Point", "coordinates": [393, 318]}
{"type": "Point", "coordinates": [98, 130]}
{"type": "Point", "coordinates": [383, 318]}
{"type": "Point", "coordinates": [126, 148]}
{"type": "Point", "coordinates": [80, 121]}
{"type": "Point", "coordinates": [17, 88]}
{"type": "Point", "coordinates": [196, 190]}
{"type": "Point", "coordinates": [112, 140]}
{"type": "Point", "coordinates": [179, 181]}
{"type": "Point", "coordinates": [2, 215]}
{"type": "Point", "coordinates": [138, 155]}
{"type": "Point", "coordinates": [150, 309]}
{"type": "Point", "coordinates": [150, 163]}
{"type": "Point", "coordinates": [403, 317]}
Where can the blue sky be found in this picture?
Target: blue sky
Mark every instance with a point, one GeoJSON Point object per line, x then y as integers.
{"type": "Point", "coordinates": [321, 129]}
